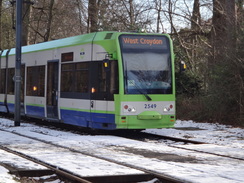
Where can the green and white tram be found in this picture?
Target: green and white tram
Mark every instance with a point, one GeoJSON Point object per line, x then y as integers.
{"type": "Point", "coordinates": [102, 80]}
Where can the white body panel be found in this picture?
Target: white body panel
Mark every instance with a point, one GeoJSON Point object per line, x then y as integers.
{"type": "Point", "coordinates": [82, 53]}
{"type": "Point", "coordinates": [135, 108]}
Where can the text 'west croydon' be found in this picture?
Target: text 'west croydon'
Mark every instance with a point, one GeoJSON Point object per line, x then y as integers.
{"type": "Point", "coordinates": [143, 41]}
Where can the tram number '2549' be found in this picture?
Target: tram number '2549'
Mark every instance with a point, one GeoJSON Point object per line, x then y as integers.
{"type": "Point", "coordinates": [150, 106]}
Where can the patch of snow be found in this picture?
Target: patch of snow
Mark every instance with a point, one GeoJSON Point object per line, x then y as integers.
{"type": "Point", "coordinates": [5, 177]}
{"type": "Point", "coordinates": [198, 167]}
{"type": "Point", "coordinates": [205, 132]}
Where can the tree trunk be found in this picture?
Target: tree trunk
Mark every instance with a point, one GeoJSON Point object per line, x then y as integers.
{"type": "Point", "coordinates": [1, 24]}
{"type": "Point", "coordinates": [224, 86]}
{"type": "Point", "coordinates": [159, 9]}
{"type": "Point", "coordinates": [49, 22]}
{"type": "Point", "coordinates": [79, 4]}
{"type": "Point", "coordinates": [240, 55]}
{"type": "Point", "coordinates": [240, 15]}
{"type": "Point", "coordinates": [26, 22]}
{"type": "Point", "coordinates": [224, 29]}
{"type": "Point", "coordinates": [131, 14]}
{"type": "Point", "coordinates": [196, 17]}
{"type": "Point", "coordinates": [195, 27]}
{"type": "Point", "coordinates": [92, 16]}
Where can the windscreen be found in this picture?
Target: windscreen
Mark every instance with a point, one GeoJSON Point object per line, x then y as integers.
{"type": "Point", "coordinates": [147, 64]}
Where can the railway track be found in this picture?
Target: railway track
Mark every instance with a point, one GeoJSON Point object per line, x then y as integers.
{"type": "Point", "coordinates": [143, 136]}
{"type": "Point", "coordinates": [68, 176]}
{"type": "Point", "coordinates": [155, 140]}
{"type": "Point", "coordinates": [147, 137]}
{"type": "Point", "coordinates": [146, 175]}
{"type": "Point", "coordinates": [52, 168]}
{"type": "Point", "coordinates": [130, 134]}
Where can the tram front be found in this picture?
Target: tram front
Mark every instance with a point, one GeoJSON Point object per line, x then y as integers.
{"type": "Point", "coordinates": [148, 99]}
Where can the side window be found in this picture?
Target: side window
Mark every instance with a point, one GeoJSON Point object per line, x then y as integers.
{"type": "Point", "coordinates": [67, 57]}
{"type": "Point", "coordinates": [66, 77]}
{"type": "Point", "coordinates": [35, 81]}
{"type": "Point", "coordinates": [22, 82]}
{"type": "Point", "coordinates": [2, 80]}
{"type": "Point", "coordinates": [11, 73]}
{"type": "Point", "coordinates": [82, 77]}
{"type": "Point", "coordinates": [74, 80]}
{"type": "Point", "coordinates": [114, 78]}
{"type": "Point", "coordinates": [104, 81]}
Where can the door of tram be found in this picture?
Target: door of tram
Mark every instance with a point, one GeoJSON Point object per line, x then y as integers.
{"type": "Point", "coordinates": [99, 94]}
{"type": "Point", "coordinates": [104, 84]}
{"type": "Point", "coordinates": [52, 89]}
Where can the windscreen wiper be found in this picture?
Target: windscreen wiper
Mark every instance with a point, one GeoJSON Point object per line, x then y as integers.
{"type": "Point", "coordinates": [140, 90]}
{"type": "Point", "coordinates": [147, 96]}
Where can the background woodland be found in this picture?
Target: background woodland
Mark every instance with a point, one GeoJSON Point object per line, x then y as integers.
{"type": "Point", "coordinates": [207, 34]}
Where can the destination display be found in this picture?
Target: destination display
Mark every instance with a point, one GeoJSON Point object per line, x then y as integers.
{"type": "Point", "coordinates": [143, 42]}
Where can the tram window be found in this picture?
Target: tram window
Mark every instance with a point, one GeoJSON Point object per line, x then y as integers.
{"type": "Point", "coordinates": [67, 57]}
{"type": "Point", "coordinates": [114, 78]}
{"type": "Point", "coordinates": [102, 78]}
{"type": "Point", "coordinates": [11, 72]}
{"type": "Point", "coordinates": [105, 82]}
{"type": "Point", "coordinates": [67, 78]}
{"type": "Point", "coordinates": [35, 81]}
{"type": "Point", "coordinates": [82, 77]}
{"type": "Point", "coordinates": [109, 79]}
{"type": "Point", "coordinates": [74, 80]}
{"type": "Point", "coordinates": [22, 82]}
{"type": "Point", "coordinates": [2, 81]}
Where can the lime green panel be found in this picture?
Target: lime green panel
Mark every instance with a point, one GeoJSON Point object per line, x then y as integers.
{"type": "Point", "coordinates": [154, 97]}
{"type": "Point", "coordinates": [132, 122]}
{"type": "Point", "coordinates": [37, 105]}
{"type": "Point", "coordinates": [149, 115]}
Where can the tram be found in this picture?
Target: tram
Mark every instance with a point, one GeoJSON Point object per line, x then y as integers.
{"type": "Point", "coordinates": [101, 80]}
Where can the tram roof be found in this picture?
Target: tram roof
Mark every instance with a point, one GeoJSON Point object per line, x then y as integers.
{"type": "Point", "coordinates": [59, 43]}
{"type": "Point", "coordinates": [65, 42]}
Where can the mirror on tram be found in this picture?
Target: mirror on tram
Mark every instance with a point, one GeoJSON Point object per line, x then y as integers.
{"type": "Point", "coordinates": [182, 66]}
{"type": "Point", "coordinates": [106, 64]}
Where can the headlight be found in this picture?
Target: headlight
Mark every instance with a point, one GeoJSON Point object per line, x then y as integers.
{"type": "Point", "coordinates": [129, 108]}
{"type": "Point", "coordinates": [168, 108]}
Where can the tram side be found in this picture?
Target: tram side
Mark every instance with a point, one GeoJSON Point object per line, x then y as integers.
{"type": "Point", "coordinates": [104, 80]}
{"type": "Point", "coordinates": [61, 80]}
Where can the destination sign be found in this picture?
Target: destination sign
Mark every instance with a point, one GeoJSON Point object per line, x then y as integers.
{"type": "Point", "coordinates": [143, 42]}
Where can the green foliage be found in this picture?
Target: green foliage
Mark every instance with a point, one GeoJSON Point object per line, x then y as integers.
{"type": "Point", "coordinates": [187, 84]}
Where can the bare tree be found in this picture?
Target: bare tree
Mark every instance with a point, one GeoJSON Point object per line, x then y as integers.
{"type": "Point", "coordinates": [240, 55]}
{"type": "Point", "coordinates": [26, 22]}
{"type": "Point", "coordinates": [1, 24]}
{"type": "Point", "coordinates": [81, 13]}
{"type": "Point", "coordinates": [224, 28]}
{"type": "Point", "coordinates": [92, 22]}
{"type": "Point", "coordinates": [54, 19]}
{"type": "Point", "coordinates": [131, 12]}
{"type": "Point", "coordinates": [226, 69]}
{"type": "Point", "coordinates": [49, 21]}
{"type": "Point", "coordinates": [158, 8]}
{"type": "Point", "coordinates": [196, 17]}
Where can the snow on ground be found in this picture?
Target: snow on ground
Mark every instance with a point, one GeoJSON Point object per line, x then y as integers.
{"type": "Point", "coordinates": [205, 132]}
{"type": "Point", "coordinates": [10, 159]}
{"type": "Point", "coordinates": [5, 177]}
{"type": "Point", "coordinates": [211, 168]}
